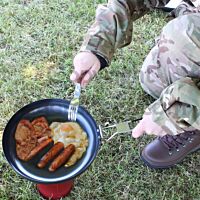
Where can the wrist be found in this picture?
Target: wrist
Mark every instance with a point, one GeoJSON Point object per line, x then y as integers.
{"type": "Point", "coordinates": [103, 62]}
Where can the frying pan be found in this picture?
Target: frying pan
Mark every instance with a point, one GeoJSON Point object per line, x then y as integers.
{"type": "Point", "coordinates": [52, 110]}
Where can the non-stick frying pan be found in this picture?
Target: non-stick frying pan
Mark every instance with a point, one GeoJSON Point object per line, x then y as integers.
{"type": "Point", "coordinates": [52, 110]}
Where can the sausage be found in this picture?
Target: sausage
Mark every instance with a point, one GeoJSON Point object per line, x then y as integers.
{"type": "Point", "coordinates": [62, 157]}
{"type": "Point", "coordinates": [39, 148]}
{"type": "Point", "coordinates": [50, 154]}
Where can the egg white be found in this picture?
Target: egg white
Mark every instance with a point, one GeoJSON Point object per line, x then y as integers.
{"type": "Point", "coordinates": [76, 136]}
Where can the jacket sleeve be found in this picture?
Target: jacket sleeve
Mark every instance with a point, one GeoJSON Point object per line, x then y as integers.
{"type": "Point", "coordinates": [185, 8]}
{"type": "Point", "coordinates": [178, 108]}
{"type": "Point", "coordinates": [113, 26]}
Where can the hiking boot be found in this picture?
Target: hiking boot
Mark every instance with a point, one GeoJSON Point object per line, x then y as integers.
{"type": "Point", "coordinates": [167, 151]}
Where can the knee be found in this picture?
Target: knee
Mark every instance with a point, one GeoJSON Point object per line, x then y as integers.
{"type": "Point", "coordinates": [149, 82]}
{"type": "Point", "coordinates": [181, 31]}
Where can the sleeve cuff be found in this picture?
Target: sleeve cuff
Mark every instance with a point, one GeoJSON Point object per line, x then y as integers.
{"type": "Point", "coordinates": [160, 117]}
{"type": "Point", "coordinates": [102, 61]}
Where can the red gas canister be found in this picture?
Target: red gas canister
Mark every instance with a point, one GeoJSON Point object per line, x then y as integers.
{"type": "Point", "coordinates": [55, 191]}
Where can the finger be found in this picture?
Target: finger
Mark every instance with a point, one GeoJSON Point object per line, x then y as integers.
{"type": "Point", "coordinates": [161, 134]}
{"type": "Point", "coordinates": [158, 131]}
{"type": "Point", "coordinates": [79, 71]}
{"type": "Point", "coordinates": [138, 130]}
{"type": "Point", "coordinates": [74, 76]}
{"type": "Point", "coordinates": [89, 75]}
{"type": "Point", "coordinates": [77, 75]}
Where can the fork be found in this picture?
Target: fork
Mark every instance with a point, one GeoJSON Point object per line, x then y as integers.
{"type": "Point", "coordinates": [74, 104]}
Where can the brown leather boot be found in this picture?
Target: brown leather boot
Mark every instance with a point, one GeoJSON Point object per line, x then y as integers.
{"type": "Point", "coordinates": [167, 151]}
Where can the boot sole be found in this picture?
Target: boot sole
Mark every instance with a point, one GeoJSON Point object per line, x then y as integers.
{"type": "Point", "coordinates": [168, 166]}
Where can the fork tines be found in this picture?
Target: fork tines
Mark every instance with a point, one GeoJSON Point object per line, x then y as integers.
{"type": "Point", "coordinates": [72, 112]}
{"type": "Point", "coordinates": [73, 107]}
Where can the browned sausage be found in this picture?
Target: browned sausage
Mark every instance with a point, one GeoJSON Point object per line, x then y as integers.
{"type": "Point", "coordinates": [50, 154]}
{"type": "Point", "coordinates": [39, 148]}
{"type": "Point", "coordinates": [62, 157]}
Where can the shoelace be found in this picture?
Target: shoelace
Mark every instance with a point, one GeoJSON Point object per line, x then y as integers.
{"type": "Point", "coordinates": [171, 141]}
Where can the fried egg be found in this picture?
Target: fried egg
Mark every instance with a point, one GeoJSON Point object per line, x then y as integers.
{"type": "Point", "coordinates": [70, 133]}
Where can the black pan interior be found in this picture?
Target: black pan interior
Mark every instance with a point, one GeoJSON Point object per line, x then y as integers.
{"type": "Point", "coordinates": [53, 110]}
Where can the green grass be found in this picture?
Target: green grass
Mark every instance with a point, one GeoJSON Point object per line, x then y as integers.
{"type": "Point", "coordinates": [38, 39]}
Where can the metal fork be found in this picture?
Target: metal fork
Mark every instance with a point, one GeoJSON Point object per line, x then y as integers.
{"type": "Point", "coordinates": [73, 107]}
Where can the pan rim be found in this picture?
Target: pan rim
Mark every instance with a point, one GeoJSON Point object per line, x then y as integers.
{"type": "Point", "coordinates": [63, 178]}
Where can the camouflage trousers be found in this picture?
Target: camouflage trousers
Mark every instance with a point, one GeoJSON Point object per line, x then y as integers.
{"type": "Point", "coordinates": [176, 55]}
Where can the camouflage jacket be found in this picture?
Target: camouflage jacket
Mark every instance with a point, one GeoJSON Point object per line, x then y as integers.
{"type": "Point", "coordinates": [113, 25]}
{"type": "Point", "coordinates": [112, 29]}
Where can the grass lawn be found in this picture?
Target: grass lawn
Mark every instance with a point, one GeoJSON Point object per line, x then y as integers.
{"type": "Point", "coordinates": [38, 39]}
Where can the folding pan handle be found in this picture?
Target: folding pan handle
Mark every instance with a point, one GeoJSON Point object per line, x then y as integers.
{"type": "Point", "coordinates": [122, 127]}
{"type": "Point", "coordinates": [100, 131]}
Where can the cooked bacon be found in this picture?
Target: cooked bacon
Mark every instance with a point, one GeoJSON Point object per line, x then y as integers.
{"type": "Point", "coordinates": [29, 134]}
{"type": "Point", "coordinates": [42, 139]}
{"type": "Point", "coordinates": [46, 132]}
{"type": "Point", "coordinates": [41, 127]}
{"type": "Point", "coordinates": [25, 139]}
{"type": "Point", "coordinates": [40, 120]}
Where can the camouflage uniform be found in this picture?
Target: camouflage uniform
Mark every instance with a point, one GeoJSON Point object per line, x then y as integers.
{"type": "Point", "coordinates": [170, 72]}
